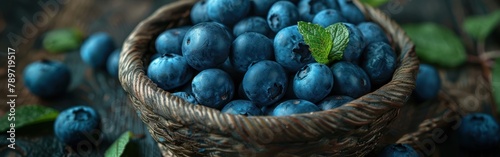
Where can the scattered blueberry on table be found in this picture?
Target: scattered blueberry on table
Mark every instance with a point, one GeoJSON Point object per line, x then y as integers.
{"type": "Point", "coordinates": [47, 78]}
{"type": "Point", "coordinates": [77, 124]}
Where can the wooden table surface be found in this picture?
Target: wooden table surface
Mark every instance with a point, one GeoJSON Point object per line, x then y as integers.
{"type": "Point", "coordinates": [94, 87]}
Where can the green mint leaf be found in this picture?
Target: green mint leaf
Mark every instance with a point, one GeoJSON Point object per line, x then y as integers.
{"type": "Point", "coordinates": [62, 40]}
{"type": "Point", "coordinates": [118, 147]}
{"type": "Point", "coordinates": [479, 27]}
{"type": "Point", "coordinates": [27, 115]}
{"type": "Point", "coordinates": [495, 83]}
{"type": "Point", "coordinates": [318, 39]}
{"type": "Point", "coordinates": [374, 3]}
{"type": "Point", "coordinates": [340, 35]}
{"type": "Point", "coordinates": [436, 44]}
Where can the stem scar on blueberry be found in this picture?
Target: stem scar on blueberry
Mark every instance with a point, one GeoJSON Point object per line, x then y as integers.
{"type": "Point", "coordinates": [188, 41]}
{"type": "Point", "coordinates": [275, 91]}
{"type": "Point", "coordinates": [302, 51]}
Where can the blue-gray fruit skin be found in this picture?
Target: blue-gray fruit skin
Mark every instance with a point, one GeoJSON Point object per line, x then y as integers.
{"type": "Point", "coordinates": [265, 82]}
{"type": "Point", "coordinates": [242, 107]}
{"type": "Point", "coordinates": [309, 8]}
{"type": "Point", "coordinates": [351, 12]}
{"type": "Point", "coordinates": [313, 82]}
{"type": "Point", "coordinates": [227, 12]}
{"type": "Point", "coordinates": [112, 63]}
{"type": "Point", "coordinates": [76, 125]}
{"type": "Point", "coordinates": [372, 33]}
{"type": "Point", "coordinates": [170, 71]}
{"type": "Point", "coordinates": [379, 63]}
{"type": "Point", "coordinates": [428, 83]}
{"type": "Point", "coordinates": [207, 45]}
{"type": "Point", "coordinates": [248, 48]}
{"type": "Point", "coordinates": [252, 24]}
{"type": "Point", "coordinates": [335, 101]}
{"type": "Point", "coordinates": [297, 106]}
{"type": "Point", "coordinates": [328, 17]}
{"type": "Point", "coordinates": [199, 12]}
{"type": "Point", "coordinates": [186, 97]}
{"type": "Point", "coordinates": [213, 88]}
{"type": "Point", "coordinates": [354, 49]}
{"type": "Point", "coordinates": [261, 7]}
{"type": "Point", "coordinates": [398, 150]}
{"type": "Point", "coordinates": [170, 41]}
{"type": "Point", "coordinates": [290, 49]}
{"type": "Point", "coordinates": [96, 49]}
{"type": "Point", "coordinates": [281, 15]}
{"type": "Point", "coordinates": [47, 78]}
{"type": "Point", "coordinates": [479, 132]}
{"type": "Point", "coordinates": [350, 80]}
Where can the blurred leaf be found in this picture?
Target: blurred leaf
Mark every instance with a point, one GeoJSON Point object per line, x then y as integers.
{"type": "Point", "coordinates": [27, 115]}
{"type": "Point", "coordinates": [62, 40]}
{"type": "Point", "coordinates": [375, 3]}
{"type": "Point", "coordinates": [479, 27]}
{"type": "Point", "coordinates": [118, 147]}
{"type": "Point", "coordinates": [436, 44]}
{"type": "Point", "coordinates": [496, 83]}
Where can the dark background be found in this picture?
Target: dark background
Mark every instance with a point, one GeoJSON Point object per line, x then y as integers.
{"type": "Point", "coordinates": [119, 17]}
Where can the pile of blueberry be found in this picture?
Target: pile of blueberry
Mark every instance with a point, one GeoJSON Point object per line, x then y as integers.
{"type": "Point", "coordinates": [50, 79]}
{"type": "Point", "coordinates": [247, 57]}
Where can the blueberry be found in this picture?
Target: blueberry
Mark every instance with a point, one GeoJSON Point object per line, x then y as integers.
{"type": "Point", "coordinates": [290, 50]}
{"type": "Point", "coordinates": [427, 84]}
{"type": "Point", "coordinates": [350, 80]}
{"type": "Point", "coordinates": [479, 132]}
{"type": "Point", "coordinates": [242, 107]}
{"type": "Point", "coordinates": [248, 48]}
{"type": "Point", "coordinates": [309, 8]}
{"type": "Point", "coordinates": [282, 14]}
{"type": "Point", "coordinates": [76, 124]}
{"type": "Point", "coordinates": [261, 7]}
{"type": "Point", "coordinates": [213, 88]}
{"type": "Point", "coordinates": [351, 12]}
{"type": "Point", "coordinates": [398, 150]}
{"type": "Point", "coordinates": [296, 106]}
{"type": "Point", "coordinates": [199, 12]}
{"type": "Point", "coordinates": [112, 63]}
{"type": "Point", "coordinates": [372, 33]}
{"type": "Point", "coordinates": [313, 82]}
{"type": "Point", "coordinates": [328, 17]}
{"type": "Point", "coordinates": [355, 46]}
{"type": "Point", "coordinates": [228, 12]}
{"type": "Point", "coordinates": [170, 71]}
{"type": "Point", "coordinates": [335, 101]}
{"type": "Point", "coordinates": [379, 63]}
{"type": "Point", "coordinates": [96, 49]}
{"type": "Point", "coordinates": [206, 45]}
{"type": "Point", "coordinates": [252, 24]}
{"type": "Point", "coordinates": [170, 41]}
{"type": "Point", "coordinates": [47, 78]}
{"type": "Point", "coordinates": [265, 82]}
{"type": "Point", "coordinates": [186, 96]}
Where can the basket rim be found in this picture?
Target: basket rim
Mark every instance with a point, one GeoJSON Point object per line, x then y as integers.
{"type": "Point", "coordinates": [132, 76]}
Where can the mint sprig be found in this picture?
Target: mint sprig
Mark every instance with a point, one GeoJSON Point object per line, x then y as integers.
{"type": "Point", "coordinates": [326, 44]}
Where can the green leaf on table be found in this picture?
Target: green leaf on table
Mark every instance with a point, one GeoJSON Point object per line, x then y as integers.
{"type": "Point", "coordinates": [27, 115]}
{"type": "Point", "coordinates": [479, 27]}
{"type": "Point", "coordinates": [326, 45]}
{"type": "Point", "coordinates": [375, 3]}
{"type": "Point", "coordinates": [436, 44]}
{"type": "Point", "coordinates": [118, 147]}
{"type": "Point", "coordinates": [63, 40]}
{"type": "Point", "coordinates": [496, 83]}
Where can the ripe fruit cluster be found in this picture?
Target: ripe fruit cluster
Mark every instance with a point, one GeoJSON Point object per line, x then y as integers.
{"type": "Point", "coordinates": [248, 57]}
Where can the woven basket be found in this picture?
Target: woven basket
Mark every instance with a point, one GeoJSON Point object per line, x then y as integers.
{"type": "Point", "coordinates": [184, 129]}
